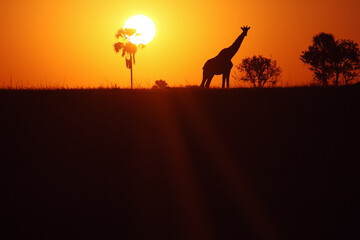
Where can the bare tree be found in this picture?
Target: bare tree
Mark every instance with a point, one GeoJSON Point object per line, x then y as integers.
{"type": "Point", "coordinates": [258, 70]}
{"type": "Point", "coordinates": [128, 48]}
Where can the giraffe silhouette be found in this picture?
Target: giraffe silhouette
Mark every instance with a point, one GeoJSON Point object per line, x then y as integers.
{"type": "Point", "coordinates": [221, 64]}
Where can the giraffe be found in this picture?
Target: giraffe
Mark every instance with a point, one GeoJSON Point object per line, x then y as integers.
{"type": "Point", "coordinates": [221, 64]}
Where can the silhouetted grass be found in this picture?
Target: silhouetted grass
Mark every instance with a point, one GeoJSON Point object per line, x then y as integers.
{"type": "Point", "coordinates": [180, 163]}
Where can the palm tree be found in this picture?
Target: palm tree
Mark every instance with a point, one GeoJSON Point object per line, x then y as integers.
{"type": "Point", "coordinates": [128, 48]}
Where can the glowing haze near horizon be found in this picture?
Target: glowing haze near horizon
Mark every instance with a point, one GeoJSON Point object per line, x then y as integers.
{"type": "Point", "coordinates": [69, 43]}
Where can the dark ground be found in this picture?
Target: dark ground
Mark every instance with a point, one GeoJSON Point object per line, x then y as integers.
{"type": "Point", "coordinates": [180, 164]}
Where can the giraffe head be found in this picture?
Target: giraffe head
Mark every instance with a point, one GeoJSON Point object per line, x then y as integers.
{"type": "Point", "coordinates": [245, 29]}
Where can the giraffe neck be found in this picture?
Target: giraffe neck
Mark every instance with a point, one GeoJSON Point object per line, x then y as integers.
{"type": "Point", "coordinates": [232, 50]}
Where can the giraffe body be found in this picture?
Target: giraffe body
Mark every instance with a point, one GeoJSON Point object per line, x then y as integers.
{"type": "Point", "coordinates": [221, 64]}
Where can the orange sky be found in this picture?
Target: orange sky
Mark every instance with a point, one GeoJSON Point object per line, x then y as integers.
{"type": "Point", "coordinates": [68, 43]}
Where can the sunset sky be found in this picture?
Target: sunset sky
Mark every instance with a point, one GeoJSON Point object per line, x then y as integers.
{"type": "Point", "coordinates": [69, 43]}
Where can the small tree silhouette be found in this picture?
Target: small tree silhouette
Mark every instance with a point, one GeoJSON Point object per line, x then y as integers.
{"type": "Point", "coordinates": [318, 56]}
{"type": "Point", "coordinates": [329, 59]}
{"type": "Point", "coordinates": [128, 48]}
{"type": "Point", "coordinates": [160, 84]}
{"type": "Point", "coordinates": [258, 70]}
{"type": "Point", "coordinates": [346, 61]}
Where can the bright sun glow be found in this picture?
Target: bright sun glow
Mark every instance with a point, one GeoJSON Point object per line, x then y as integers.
{"type": "Point", "coordinates": [145, 29]}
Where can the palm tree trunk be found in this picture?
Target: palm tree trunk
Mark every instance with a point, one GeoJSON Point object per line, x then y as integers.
{"type": "Point", "coordinates": [131, 70]}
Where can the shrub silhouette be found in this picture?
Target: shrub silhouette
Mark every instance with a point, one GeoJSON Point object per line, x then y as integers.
{"type": "Point", "coordinates": [258, 70]}
{"type": "Point", "coordinates": [160, 84]}
{"type": "Point", "coordinates": [330, 59]}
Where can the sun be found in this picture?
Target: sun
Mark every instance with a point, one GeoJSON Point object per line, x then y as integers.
{"type": "Point", "coordinates": [145, 29]}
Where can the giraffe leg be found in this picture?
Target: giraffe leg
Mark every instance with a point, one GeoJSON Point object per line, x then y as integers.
{"type": "Point", "coordinates": [209, 81]}
{"type": "Point", "coordinates": [223, 80]}
{"type": "Point", "coordinates": [227, 78]}
{"type": "Point", "coordinates": [204, 80]}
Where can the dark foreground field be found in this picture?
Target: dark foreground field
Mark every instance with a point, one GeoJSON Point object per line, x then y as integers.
{"type": "Point", "coordinates": [180, 164]}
